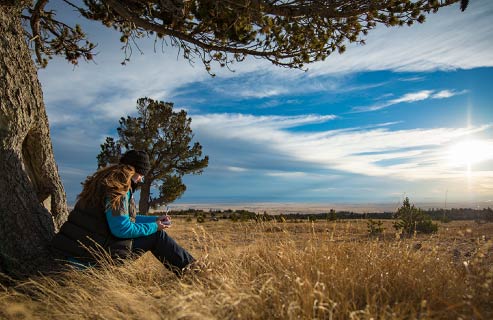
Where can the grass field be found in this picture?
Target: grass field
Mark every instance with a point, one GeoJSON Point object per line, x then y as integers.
{"type": "Point", "coordinates": [303, 270]}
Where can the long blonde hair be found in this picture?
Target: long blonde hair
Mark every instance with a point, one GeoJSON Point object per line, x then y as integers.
{"type": "Point", "coordinates": [112, 182]}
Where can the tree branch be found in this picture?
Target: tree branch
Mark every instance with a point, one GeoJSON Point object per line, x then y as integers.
{"type": "Point", "coordinates": [125, 13]}
{"type": "Point", "coordinates": [35, 27]}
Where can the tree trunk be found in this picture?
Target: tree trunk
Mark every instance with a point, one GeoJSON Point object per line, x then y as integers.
{"type": "Point", "coordinates": [32, 198]}
{"type": "Point", "coordinates": [145, 192]}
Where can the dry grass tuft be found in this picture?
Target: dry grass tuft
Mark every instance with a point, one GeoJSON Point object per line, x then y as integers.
{"type": "Point", "coordinates": [279, 271]}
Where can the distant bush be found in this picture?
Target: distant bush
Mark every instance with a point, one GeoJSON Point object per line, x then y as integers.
{"type": "Point", "coordinates": [332, 215]}
{"type": "Point", "coordinates": [374, 227]}
{"type": "Point", "coordinates": [445, 219]}
{"type": "Point", "coordinates": [200, 218]}
{"type": "Point", "coordinates": [410, 219]}
{"type": "Point", "coordinates": [488, 214]}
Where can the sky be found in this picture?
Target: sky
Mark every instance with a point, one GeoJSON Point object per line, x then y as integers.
{"type": "Point", "coordinates": [408, 114]}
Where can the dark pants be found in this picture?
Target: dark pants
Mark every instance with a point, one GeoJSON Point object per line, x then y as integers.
{"type": "Point", "coordinates": [165, 249]}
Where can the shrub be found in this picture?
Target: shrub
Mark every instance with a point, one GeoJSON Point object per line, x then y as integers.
{"type": "Point", "coordinates": [488, 214]}
{"type": "Point", "coordinates": [445, 219]}
{"type": "Point", "coordinates": [200, 218]}
{"type": "Point", "coordinates": [374, 227]}
{"type": "Point", "coordinates": [332, 215]}
{"type": "Point", "coordinates": [411, 219]}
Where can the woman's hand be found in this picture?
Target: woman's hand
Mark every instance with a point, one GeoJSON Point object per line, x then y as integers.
{"type": "Point", "coordinates": [163, 222]}
{"type": "Point", "coordinates": [161, 225]}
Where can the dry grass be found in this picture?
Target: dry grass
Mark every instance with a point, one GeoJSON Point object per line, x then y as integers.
{"type": "Point", "coordinates": [281, 271]}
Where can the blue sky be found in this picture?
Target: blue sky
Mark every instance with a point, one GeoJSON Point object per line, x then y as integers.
{"type": "Point", "coordinates": [408, 113]}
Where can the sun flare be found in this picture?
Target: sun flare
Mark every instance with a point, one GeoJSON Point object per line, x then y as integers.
{"type": "Point", "coordinates": [469, 152]}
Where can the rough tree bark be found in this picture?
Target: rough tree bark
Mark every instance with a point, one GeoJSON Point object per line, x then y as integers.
{"type": "Point", "coordinates": [32, 198]}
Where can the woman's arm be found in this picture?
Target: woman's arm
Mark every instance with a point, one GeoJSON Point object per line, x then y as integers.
{"type": "Point", "coordinates": [121, 226]}
{"type": "Point", "coordinates": [143, 219]}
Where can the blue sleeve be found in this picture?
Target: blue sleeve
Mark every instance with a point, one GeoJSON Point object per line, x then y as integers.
{"type": "Point", "coordinates": [144, 219]}
{"type": "Point", "coordinates": [121, 226]}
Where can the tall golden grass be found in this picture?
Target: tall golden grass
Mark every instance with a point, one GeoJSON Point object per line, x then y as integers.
{"type": "Point", "coordinates": [316, 270]}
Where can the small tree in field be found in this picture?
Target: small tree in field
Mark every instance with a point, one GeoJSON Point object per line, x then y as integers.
{"type": "Point", "coordinates": [166, 136]}
{"type": "Point", "coordinates": [332, 215]}
{"type": "Point", "coordinates": [374, 227]}
{"type": "Point", "coordinates": [410, 219]}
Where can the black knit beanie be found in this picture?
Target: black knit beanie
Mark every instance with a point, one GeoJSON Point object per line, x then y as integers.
{"type": "Point", "coordinates": [137, 159]}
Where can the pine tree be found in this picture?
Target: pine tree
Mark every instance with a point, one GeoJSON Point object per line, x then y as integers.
{"type": "Point", "coordinates": [411, 220]}
{"type": "Point", "coordinates": [166, 136]}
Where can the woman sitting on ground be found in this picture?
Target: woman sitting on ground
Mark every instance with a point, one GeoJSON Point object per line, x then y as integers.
{"type": "Point", "coordinates": [105, 217]}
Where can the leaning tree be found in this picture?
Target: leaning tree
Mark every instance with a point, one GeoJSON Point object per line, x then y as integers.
{"type": "Point", "coordinates": [287, 33]}
{"type": "Point", "coordinates": [166, 136]}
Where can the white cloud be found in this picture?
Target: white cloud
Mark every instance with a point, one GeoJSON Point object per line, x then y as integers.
{"type": "Point", "coordinates": [410, 98]}
{"type": "Point", "coordinates": [404, 154]}
{"type": "Point", "coordinates": [239, 123]}
{"type": "Point", "coordinates": [236, 169]}
{"type": "Point", "coordinates": [447, 94]}
{"type": "Point", "coordinates": [412, 79]}
{"type": "Point", "coordinates": [260, 92]}
{"type": "Point", "coordinates": [288, 174]}
{"type": "Point", "coordinates": [386, 124]}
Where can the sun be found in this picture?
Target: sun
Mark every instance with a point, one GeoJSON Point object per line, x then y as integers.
{"type": "Point", "coordinates": [469, 152]}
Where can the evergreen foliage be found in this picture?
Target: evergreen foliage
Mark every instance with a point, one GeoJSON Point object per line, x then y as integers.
{"type": "Point", "coordinates": [374, 227]}
{"type": "Point", "coordinates": [290, 34]}
{"type": "Point", "coordinates": [111, 152]}
{"type": "Point", "coordinates": [411, 219]}
{"type": "Point", "coordinates": [166, 136]}
{"type": "Point", "coordinates": [200, 218]}
{"type": "Point", "coordinates": [332, 215]}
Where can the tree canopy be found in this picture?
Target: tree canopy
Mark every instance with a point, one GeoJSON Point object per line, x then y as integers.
{"type": "Point", "coordinates": [287, 33]}
{"type": "Point", "coordinates": [166, 136]}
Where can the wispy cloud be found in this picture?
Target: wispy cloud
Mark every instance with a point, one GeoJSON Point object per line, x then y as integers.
{"type": "Point", "coordinates": [248, 122]}
{"type": "Point", "coordinates": [447, 94]}
{"type": "Point", "coordinates": [374, 151]}
{"type": "Point", "coordinates": [261, 92]}
{"type": "Point", "coordinates": [286, 174]}
{"type": "Point", "coordinates": [412, 79]}
{"type": "Point", "coordinates": [410, 98]}
{"type": "Point", "coordinates": [236, 169]}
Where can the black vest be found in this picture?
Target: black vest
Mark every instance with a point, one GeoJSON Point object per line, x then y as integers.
{"type": "Point", "coordinates": [86, 231]}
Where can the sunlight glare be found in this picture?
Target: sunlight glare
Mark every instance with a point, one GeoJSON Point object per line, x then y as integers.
{"type": "Point", "coordinates": [466, 153]}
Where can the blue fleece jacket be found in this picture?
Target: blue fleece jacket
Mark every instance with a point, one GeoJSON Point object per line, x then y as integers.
{"type": "Point", "coordinates": [122, 227]}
